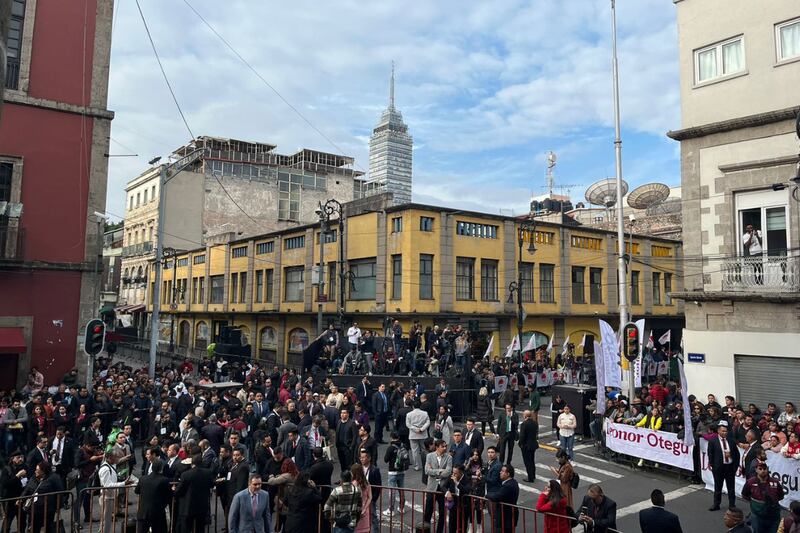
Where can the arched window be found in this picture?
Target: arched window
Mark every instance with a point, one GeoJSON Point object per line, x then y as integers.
{"type": "Point", "coordinates": [201, 335]}
{"type": "Point", "coordinates": [139, 274]}
{"type": "Point", "coordinates": [184, 332]}
{"type": "Point", "coordinates": [267, 343]}
{"type": "Point", "coordinates": [540, 340]}
{"type": "Point", "coordinates": [298, 340]}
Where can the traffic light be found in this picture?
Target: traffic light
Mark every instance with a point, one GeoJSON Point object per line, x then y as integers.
{"type": "Point", "coordinates": [630, 346]}
{"type": "Point", "coordinates": [95, 337]}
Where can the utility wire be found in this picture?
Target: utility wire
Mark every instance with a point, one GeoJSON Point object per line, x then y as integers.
{"type": "Point", "coordinates": [265, 82]}
{"type": "Point", "coordinates": [163, 72]}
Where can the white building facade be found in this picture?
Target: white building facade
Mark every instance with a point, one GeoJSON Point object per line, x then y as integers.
{"type": "Point", "coordinates": [740, 70]}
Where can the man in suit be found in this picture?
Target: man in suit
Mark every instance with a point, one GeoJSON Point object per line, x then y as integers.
{"type": "Point", "coordinates": [155, 493]}
{"type": "Point", "coordinates": [208, 454]}
{"type": "Point", "coordinates": [320, 473]}
{"type": "Point", "coordinates": [529, 443]}
{"type": "Point", "coordinates": [238, 474]}
{"type": "Point", "coordinates": [194, 496]}
{"type": "Point", "coordinates": [37, 455]}
{"type": "Point", "coordinates": [472, 437]}
{"type": "Point", "coordinates": [380, 410]}
{"type": "Point", "coordinates": [657, 519]}
{"type": "Point", "coordinates": [250, 509]}
{"type": "Point", "coordinates": [750, 450]}
{"type": "Point", "coordinates": [723, 459]}
{"type": "Point", "coordinates": [734, 521]}
{"type": "Point", "coordinates": [505, 498]}
{"type": "Point", "coordinates": [598, 512]}
{"type": "Point", "coordinates": [365, 442]}
{"type": "Point", "coordinates": [508, 431]}
{"type": "Point", "coordinates": [458, 489]}
{"type": "Point", "coordinates": [373, 475]}
{"type": "Point", "coordinates": [438, 468]}
{"type": "Point", "coordinates": [345, 439]}
{"type": "Point", "coordinates": [62, 453]}
{"type": "Point", "coordinates": [459, 450]}
{"type": "Point", "coordinates": [213, 433]}
{"type": "Point", "coordinates": [364, 394]}
{"type": "Point", "coordinates": [172, 462]}
{"type": "Point", "coordinates": [296, 449]}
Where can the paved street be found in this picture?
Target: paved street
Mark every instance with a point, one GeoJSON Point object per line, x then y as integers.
{"type": "Point", "coordinates": [628, 487]}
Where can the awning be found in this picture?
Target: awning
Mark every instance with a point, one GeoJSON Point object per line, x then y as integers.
{"type": "Point", "coordinates": [12, 341]}
{"type": "Point", "coordinates": [126, 309]}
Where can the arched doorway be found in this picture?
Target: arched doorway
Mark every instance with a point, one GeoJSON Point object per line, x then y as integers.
{"type": "Point", "coordinates": [298, 341]}
{"type": "Point", "coordinates": [268, 344]}
{"type": "Point", "coordinates": [201, 336]}
{"type": "Point", "coordinates": [184, 333]}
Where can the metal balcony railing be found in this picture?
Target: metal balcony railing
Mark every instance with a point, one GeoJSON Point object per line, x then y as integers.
{"type": "Point", "coordinates": [137, 249]}
{"type": "Point", "coordinates": [762, 273]}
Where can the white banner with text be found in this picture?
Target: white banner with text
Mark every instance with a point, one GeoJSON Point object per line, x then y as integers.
{"type": "Point", "coordinates": [783, 469]}
{"type": "Point", "coordinates": [656, 446]}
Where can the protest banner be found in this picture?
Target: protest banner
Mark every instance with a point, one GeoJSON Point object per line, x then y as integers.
{"type": "Point", "coordinates": [657, 446]}
{"type": "Point", "coordinates": [500, 383]}
{"type": "Point", "coordinates": [783, 469]}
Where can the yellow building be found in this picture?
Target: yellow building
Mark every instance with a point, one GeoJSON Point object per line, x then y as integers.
{"type": "Point", "coordinates": [415, 262]}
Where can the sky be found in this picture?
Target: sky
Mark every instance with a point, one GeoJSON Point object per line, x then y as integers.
{"type": "Point", "coordinates": [486, 88]}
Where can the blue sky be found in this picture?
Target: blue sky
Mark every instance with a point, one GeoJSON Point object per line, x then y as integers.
{"type": "Point", "coordinates": [487, 88]}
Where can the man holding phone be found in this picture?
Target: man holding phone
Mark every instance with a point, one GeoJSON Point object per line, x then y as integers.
{"type": "Point", "coordinates": [598, 512]}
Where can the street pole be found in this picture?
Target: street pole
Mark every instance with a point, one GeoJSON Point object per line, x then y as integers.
{"type": "Point", "coordinates": [156, 315]}
{"type": "Point", "coordinates": [90, 358]}
{"type": "Point", "coordinates": [342, 293]}
{"type": "Point", "coordinates": [173, 302]}
{"type": "Point", "coordinates": [321, 272]}
{"type": "Point", "coordinates": [621, 267]}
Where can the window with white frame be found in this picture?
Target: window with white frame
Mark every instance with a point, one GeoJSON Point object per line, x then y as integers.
{"type": "Point", "coordinates": [719, 60]}
{"type": "Point", "coordinates": [787, 39]}
{"type": "Point", "coordinates": [767, 213]}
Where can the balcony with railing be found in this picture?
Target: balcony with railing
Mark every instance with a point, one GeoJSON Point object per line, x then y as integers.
{"type": "Point", "coordinates": [12, 239]}
{"type": "Point", "coordinates": [137, 249]}
{"type": "Point", "coordinates": [761, 273]}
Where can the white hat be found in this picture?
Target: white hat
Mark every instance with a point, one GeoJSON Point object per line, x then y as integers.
{"type": "Point", "coordinates": [722, 424]}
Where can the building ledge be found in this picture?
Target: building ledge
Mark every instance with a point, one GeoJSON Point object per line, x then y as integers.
{"type": "Point", "coordinates": [738, 296]}
{"type": "Point", "coordinates": [750, 121]}
{"type": "Point", "coordinates": [10, 264]}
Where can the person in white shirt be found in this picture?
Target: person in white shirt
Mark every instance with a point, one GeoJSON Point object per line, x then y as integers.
{"type": "Point", "coordinates": [353, 336]}
{"type": "Point", "coordinates": [752, 240]}
{"type": "Point", "coordinates": [107, 473]}
{"type": "Point", "coordinates": [566, 429]}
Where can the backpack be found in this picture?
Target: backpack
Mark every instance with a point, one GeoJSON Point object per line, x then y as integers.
{"type": "Point", "coordinates": [401, 460]}
{"type": "Point", "coordinates": [575, 481]}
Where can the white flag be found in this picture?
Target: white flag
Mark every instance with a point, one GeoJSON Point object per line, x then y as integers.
{"type": "Point", "coordinates": [566, 346]}
{"type": "Point", "coordinates": [610, 352]}
{"type": "Point", "coordinates": [513, 346]}
{"type": "Point", "coordinates": [650, 342]}
{"type": "Point", "coordinates": [583, 340]}
{"type": "Point", "coordinates": [665, 338]}
{"type": "Point", "coordinates": [599, 362]}
{"type": "Point", "coordinates": [529, 346]}
{"type": "Point", "coordinates": [489, 348]}
{"type": "Point", "coordinates": [549, 346]}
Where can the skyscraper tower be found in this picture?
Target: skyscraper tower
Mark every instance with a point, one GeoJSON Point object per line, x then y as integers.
{"type": "Point", "coordinates": [390, 155]}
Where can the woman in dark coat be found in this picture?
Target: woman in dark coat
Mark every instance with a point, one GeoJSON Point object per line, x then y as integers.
{"type": "Point", "coordinates": [303, 500]}
{"type": "Point", "coordinates": [485, 410]}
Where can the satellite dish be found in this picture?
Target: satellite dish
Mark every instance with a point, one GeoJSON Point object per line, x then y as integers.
{"type": "Point", "coordinates": [670, 206]}
{"type": "Point", "coordinates": [604, 192]}
{"type": "Point", "coordinates": [648, 195]}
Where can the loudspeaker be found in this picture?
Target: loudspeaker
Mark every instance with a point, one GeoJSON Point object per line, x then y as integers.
{"type": "Point", "coordinates": [588, 345]}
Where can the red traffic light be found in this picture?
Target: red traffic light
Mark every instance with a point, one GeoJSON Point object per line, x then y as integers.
{"type": "Point", "coordinates": [632, 333]}
{"type": "Point", "coordinates": [98, 329]}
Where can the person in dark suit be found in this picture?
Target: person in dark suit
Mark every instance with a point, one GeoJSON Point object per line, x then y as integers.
{"type": "Point", "coordinates": [723, 459]}
{"type": "Point", "coordinates": [458, 489]}
{"type": "Point", "coordinates": [508, 431]}
{"type": "Point", "coordinates": [381, 409]}
{"type": "Point", "coordinates": [505, 498]}
{"type": "Point", "coordinates": [321, 472]}
{"type": "Point", "coordinates": [753, 446]}
{"type": "Point", "coordinates": [62, 453]}
{"type": "Point", "coordinates": [472, 437]}
{"type": "Point", "coordinates": [155, 494]}
{"type": "Point", "coordinates": [238, 476]}
{"type": "Point", "coordinates": [296, 448]}
{"type": "Point", "coordinates": [194, 496]}
{"type": "Point", "coordinates": [598, 512]}
{"type": "Point", "coordinates": [734, 521]}
{"type": "Point", "coordinates": [373, 475]}
{"type": "Point", "coordinates": [529, 443]}
{"type": "Point", "coordinates": [345, 439]}
{"type": "Point", "coordinates": [37, 455]}
{"type": "Point", "coordinates": [657, 519]}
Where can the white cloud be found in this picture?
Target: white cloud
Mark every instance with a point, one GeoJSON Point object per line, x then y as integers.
{"type": "Point", "coordinates": [482, 85]}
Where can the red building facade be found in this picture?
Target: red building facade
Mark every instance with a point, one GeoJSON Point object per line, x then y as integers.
{"type": "Point", "coordinates": [54, 136]}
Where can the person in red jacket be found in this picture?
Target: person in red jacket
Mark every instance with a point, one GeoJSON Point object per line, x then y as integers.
{"type": "Point", "coordinates": [659, 392]}
{"type": "Point", "coordinates": [553, 502]}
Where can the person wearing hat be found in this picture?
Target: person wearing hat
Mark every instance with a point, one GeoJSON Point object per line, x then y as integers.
{"type": "Point", "coordinates": [723, 459]}
{"type": "Point", "coordinates": [764, 494]}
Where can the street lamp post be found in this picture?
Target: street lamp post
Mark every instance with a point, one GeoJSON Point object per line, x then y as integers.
{"type": "Point", "coordinates": [324, 211]}
{"type": "Point", "coordinates": [527, 228]}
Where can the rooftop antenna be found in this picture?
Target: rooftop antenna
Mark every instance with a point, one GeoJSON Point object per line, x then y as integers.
{"type": "Point", "coordinates": [391, 88]}
{"type": "Point", "coordinates": [551, 163]}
